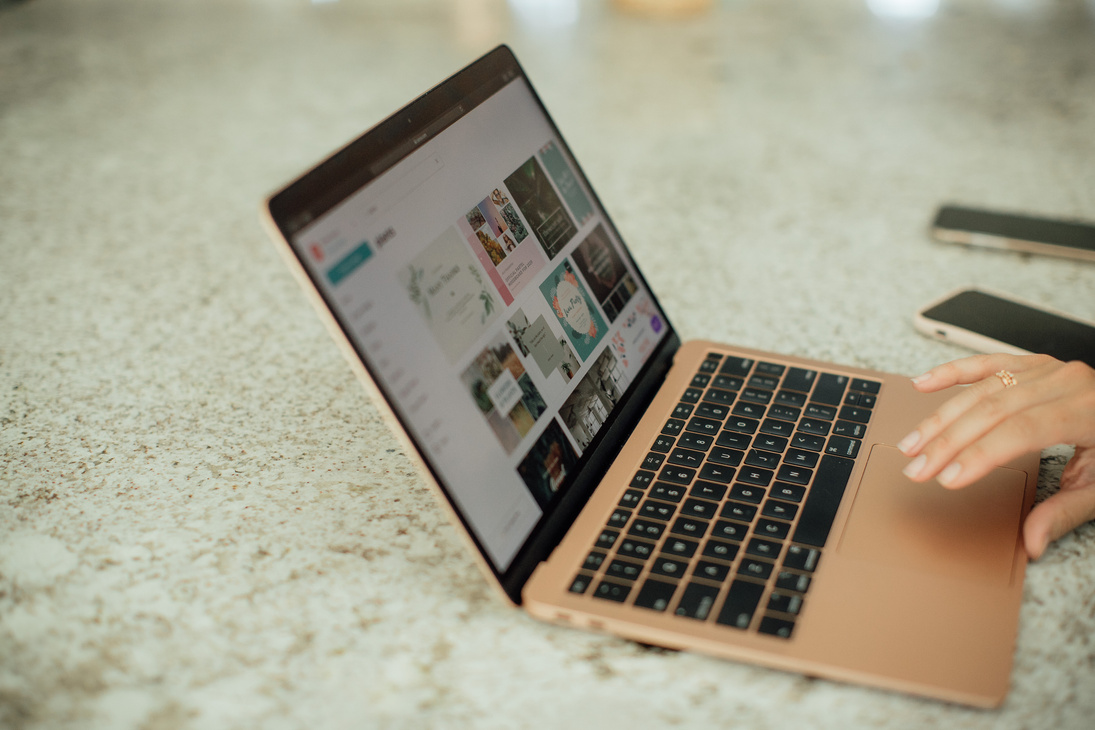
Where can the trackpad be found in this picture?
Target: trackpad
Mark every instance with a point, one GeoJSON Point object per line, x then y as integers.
{"type": "Point", "coordinates": [968, 534]}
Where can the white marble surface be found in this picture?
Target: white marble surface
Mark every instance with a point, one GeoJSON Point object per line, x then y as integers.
{"type": "Point", "coordinates": [203, 523]}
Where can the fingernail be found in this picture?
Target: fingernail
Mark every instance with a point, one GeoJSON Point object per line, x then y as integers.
{"type": "Point", "coordinates": [915, 467]}
{"type": "Point", "coordinates": [949, 474]}
{"type": "Point", "coordinates": [922, 378]}
{"type": "Point", "coordinates": [906, 444]}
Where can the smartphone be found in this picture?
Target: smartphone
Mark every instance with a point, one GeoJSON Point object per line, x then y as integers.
{"type": "Point", "coordinates": [1071, 239]}
{"type": "Point", "coordinates": [993, 322]}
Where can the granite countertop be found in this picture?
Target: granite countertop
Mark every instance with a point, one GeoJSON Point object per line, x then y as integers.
{"type": "Point", "coordinates": [203, 522]}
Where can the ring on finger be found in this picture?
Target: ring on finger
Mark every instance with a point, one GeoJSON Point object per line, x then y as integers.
{"type": "Point", "coordinates": [1006, 378]}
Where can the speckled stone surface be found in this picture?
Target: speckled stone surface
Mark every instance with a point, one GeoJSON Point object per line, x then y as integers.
{"type": "Point", "coordinates": [204, 524]}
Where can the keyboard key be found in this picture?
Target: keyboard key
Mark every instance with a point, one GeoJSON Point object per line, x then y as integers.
{"type": "Point", "coordinates": [830, 389]}
{"type": "Point", "coordinates": [739, 512]}
{"type": "Point", "coordinates": [867, 386]}
{"type": "Point", "coordinates": [794, 474]}
{"type": "Point", "coordinates": [683, 411]}
{"type": "Point", "coordinates": [655, 595]}
{"type": "Point", "coordinates": [763, 459]}
{"type": "Point", "coordinates": [704, 425]}
{"type": "Point", "coordinates": [823, 500]}
{"type": "Point", "coordinates": [742, 425]}
{"type": "Point", "coordinates": [680, 548]}
{"type": "Point", "coordinates": [764, 548]}
{"type": "Point", "coordinates": [700, 508]}
{"type": "Point", "coordinates": [777, 428]}
{"type": "Point", "coordinates": [843, 446]}
{"type": "Point", "coordinates": [767, 382]}
{"type": "Point", "coordinates": [800, 457]}
{"type": "Point", "coordinates": [806, 441]}
{"type": "Point", "coordinates": [581, 583]}
{"type": "Point", "coordinates": [670, 567]}
{"type": "Point", "coordinates": [747, 493]}
{"type": "Point", "coordinates": [712, 410]}
{"type": "Point", "coordinates": [784, 602]}
{"type": "Point", "coordinates": [814, 426]}
{"type": "Point", "coordinates": [646, 528]}
{"type": "Point", "coordinates": [684, 457]}
{"type": "Point", "coordinates": [770, 443]}
{"type": "Point", "coordinates": [677, 475]}
{"type": "Point", "coordinates": [727, 382]}
{"type": "Point", "coordinates": [642, 480]}
{"type": "Point", "coordinates": [663, 444]}
{"type": "Point", "coordinates": [756, 477]}
{"type": "Point", "coordinates": [755, 568]}
{"type": "Point", "coordinates": [773, 529]}
{"type": "Point", "coordinates": [719, 396]}
{"type": "Point", "coordinates": [776, 627]}
{"type": "Point", "coordinates": [726, 457]}
{"type": "Point", "coordinates": [653, 460]}
{"type": "Point", "coordinates": [637, 549]}
{"type": "Point", "coordinates": [619, 518]}
{"type": "Point", "coordinates": [593, 561]}
{"type": "Point", "coordinates": [770, 368]}
{"type": "Point", "coordinates": [708, 490]}
{"type": "Point", "coordinates": [697, 601]}
{"type": "Point", "coordinates": [741, 602]}
{"type": "Point", "coordinates": [612, 591]}
{"type": "Point", "coordinates": [668, 492]}
{"type": "Point", "coordinates": [756, 395]}
{"type": "Point", "coordinates": [788, 581]}
{"type": "Point", "coordinates": [779, 510]}
{"type": "Point", "coordinates": [711, 364]}
{"type": "Point", "coordinates": [719, 549]}
{"type": "Point", "coordinates": [711, 571]}
{"type": "Point", "coordinates": [692, 395]}
{"type": "Point", "coordinates": [631, 499]}
{"type": "Point", "coordinates": [799, 379]}
{"type": "Point", "coordinates": [673, 426]}
{"type": "Point", "coordinates": [607, 539]}
{"type": "Point", "coordinates": [790, 398]}
{"type": "Point", "coordinates": [690, 527]}
{"type": "Point", "coordinates": [789, 492]}
{"type": "Point", "coordinates": [784, 413]}
{"type": "Point", "coordinates": [717, 473]}
{"type": "Point", "coordinates": [696, 441]}
{"type": "Point", "coordinates": [849, 428]}
{"type": "Point", "coordinates": [729, 531]}
{"type": "Point", "coordinates": [734, 440]}
{"type": "Point", "coordinates": [736, 366]}
{"type": "Point", "coordinates": [816, 410]}
{"type": "Point", "coordinates": [749, 410]}
{"type": "Point", "coordinates": [859, 415]}
{"type": "Point", "coordinates": [623, 570]}
{"type": "Point", "coordinates": [657, 510]}
{"type": "Point", "coordinates": [700, 380]}
{"type": "Point", "coordinates": [801, 558]}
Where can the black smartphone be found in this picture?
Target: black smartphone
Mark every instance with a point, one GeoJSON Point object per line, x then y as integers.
{"type": "Point", "coordinates": [1009, 231]}
{"type": "Point", "coordinates": [991, 322]}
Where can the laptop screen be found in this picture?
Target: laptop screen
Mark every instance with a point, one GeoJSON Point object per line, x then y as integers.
{"type": "Point", "coordinates": [492, 302]}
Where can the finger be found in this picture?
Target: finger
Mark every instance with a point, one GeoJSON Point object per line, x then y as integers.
{"type": "Point", "coordinates": [975, 368]}
{"type": "Point", "coordinates": [1057, 516]}
{"type": "Point", "coordinates": [991, 435]}
{"type": "Point", "coordinates": [1036, 368]}
{"type": "Point", "coordinates": [1080, 470]}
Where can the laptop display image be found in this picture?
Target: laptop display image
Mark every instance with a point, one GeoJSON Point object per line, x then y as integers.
{"type": "Point", "coordinates": [699, 495]}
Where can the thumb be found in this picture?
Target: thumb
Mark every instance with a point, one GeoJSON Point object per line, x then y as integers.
{"type": "Point", "coordinates": [1070, 507]}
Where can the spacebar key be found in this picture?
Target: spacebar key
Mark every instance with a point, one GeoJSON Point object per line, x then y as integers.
{"type": "Point", "coordinates": [823, 500]}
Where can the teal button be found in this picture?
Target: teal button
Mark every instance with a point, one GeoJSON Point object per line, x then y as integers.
{"type": "Point", "coordinates": [349, 263]}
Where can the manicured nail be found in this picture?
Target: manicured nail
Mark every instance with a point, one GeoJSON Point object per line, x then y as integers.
{"type": "Point", "coordinates": [922, 378]}
{"type": "Point", "coordinates": [906, 444]}
{"type": "Point", "coordinates": [915, 467]}
{"type": "Point", "coordinates": [949, 474]}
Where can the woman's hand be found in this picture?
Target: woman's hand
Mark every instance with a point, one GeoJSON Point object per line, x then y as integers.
{"type": "Point", "coordinates": [1043, 403]}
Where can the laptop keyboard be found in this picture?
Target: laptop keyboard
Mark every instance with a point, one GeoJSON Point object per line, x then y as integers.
{"type": "Point", "coordinates": [727, 516]}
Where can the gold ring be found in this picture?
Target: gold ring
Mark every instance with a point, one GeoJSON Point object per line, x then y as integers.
{"type": "Point", "coordinates": [1006, 378]}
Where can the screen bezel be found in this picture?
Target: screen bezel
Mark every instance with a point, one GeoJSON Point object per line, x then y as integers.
{"type": "Point", "coordinates": [381, 148]}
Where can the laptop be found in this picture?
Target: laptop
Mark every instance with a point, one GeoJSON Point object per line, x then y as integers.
{"type": "Point", "coordinates": [698, 496]}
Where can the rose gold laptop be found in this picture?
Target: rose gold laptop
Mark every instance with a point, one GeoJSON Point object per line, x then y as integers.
{"type": "Point", "coordinates": [699, 496]}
